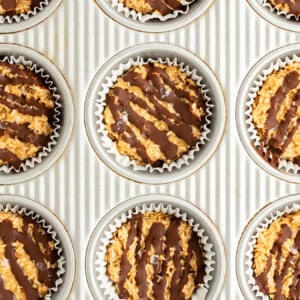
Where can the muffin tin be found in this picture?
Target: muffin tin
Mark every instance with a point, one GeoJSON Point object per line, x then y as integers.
{"type": "Point", "coordinates": [229, 188]}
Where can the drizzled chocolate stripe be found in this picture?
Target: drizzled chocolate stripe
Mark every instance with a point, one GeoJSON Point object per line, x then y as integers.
{"type": "Point", "coordinates": [10, 158]}
{"type": "Point", "coordinates": [283, 134]}
{"type": "Point", "coordinates": [294, 5]}
{"type": "Point", "coordinates": [125, 266]}
{"type": "Point", "coordinates": [165, 7]}
{"type": "Point", "coordinates": [23, 133]}
{"type": "Point", "coordinates": [157, 88]}
{"type": "Point", "coordinates": [4, 294]}
{"type": "Point", "coordinates": [282, 266]}
{"type": "Point", "coordinates": [290, 82]}
{"type": "Point", "coordinates": [25, 106]}
{"type": "Point", "coordinates": [9, 236]}
{"type": "Point", "coordinates": [164, 242]}
{"type": "Point", "coordinates": [10, 5]}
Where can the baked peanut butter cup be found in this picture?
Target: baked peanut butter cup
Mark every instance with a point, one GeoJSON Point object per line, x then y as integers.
{"type": "Point", "coordinates": [27, 111]}
{"type": "Point", "coordinates": [155, 256]}
{"type": "Point", "coordinates": [28, 258]}
{"type": "Point", "coordinates": [276, 115]}
{"type": "Point", "coordinates": [276, 262]}
{"type": "Point", "coordinates": [154, 113]}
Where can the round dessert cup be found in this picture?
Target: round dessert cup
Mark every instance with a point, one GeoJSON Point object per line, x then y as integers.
{"type": "Point", "coordinates": [270, 212]}
{"type": "Point", "coordinates": [192, 212]}
{"type": "Point", "coordinates": [66, 117]}
{"type": "Point", "coordinates": [277, 19]}
{"type": "Point", "coordinates": [196, 9]}
{"type": "Point", "coordinates": [155, 51]}
{"type": "Point", "coordinates": [241, 107]}
{"type": "Point", "coordinates": [31, 20]}
{"type": "Point", "coordinates": [65, 244]}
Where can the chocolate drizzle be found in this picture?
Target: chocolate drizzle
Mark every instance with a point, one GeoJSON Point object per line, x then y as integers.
{"type": "Point", "coordinates": [4, 294]}
{"type": "Point", "coordinates": [32, 244]}
{"type": "Point", "coordinates": [157, 87]}
{"type": "Point", "coordinates": [283, 265]}
{"type": "Point", "coordinates": [294, 5]}
{"type": "Point", "coordinates": [165, 7]}
{"type": "Point", "coordinates": [10, 5]}
{"type": "Point", "coordinates": [23, 80]}
{"type": "Point", "coordinates": [166, 246]}
{"type": "Point", "coordinates": [282, 131]}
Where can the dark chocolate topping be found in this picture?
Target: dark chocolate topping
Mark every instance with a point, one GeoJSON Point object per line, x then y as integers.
{"type": "Point", "coordinates": [165, 7]}
{"type": "Point", "coordinates": [294, 5]}
{"type": "Point", "coordinates": [10, 5]}
{"type": "Point", "coordinates": [283, 131]}
{"type": "Point", "coordinates": [154, 88]}
{"type": "Point", "coordinates": [10, 235]}
{"type": "Point", "coordinates": [25, 79]}
{"type": "Point", "coordinates": [163, 241]}
{"type": "Point", "coordinates": [282, 266]}
{"type": "Point", "coordinates": [4, 294]}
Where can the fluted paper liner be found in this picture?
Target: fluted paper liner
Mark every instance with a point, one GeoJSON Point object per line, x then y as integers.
{"type": "Point", "coordinates": [279, 12]}
{"type": "Point", "coordinates": [31, 162]}
{"type": "Point", "coordinates": [138, 16]}
{"type": "Point", "coordinates": [17, 209]}
{"type": "Point", "coordinates": [265, 223]}
{"type": "Point", "coordinates": [284, 165]}
{"type": "Point", "coordinates": [110, 145]}
{"type": "Point", "coordinates": [100, 265]}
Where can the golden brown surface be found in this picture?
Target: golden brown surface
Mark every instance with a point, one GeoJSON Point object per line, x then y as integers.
{"type": "Point", "coordinates": [162, 259]}
{"type": "Point", "coordinates": [12, 7]}
{"type": "Point", "coordinates": [11, 286]}
{"type": "Point", "coordinates": [277, 258]}
{"type": "Point", "coordinates": [288, 6]}
{"type": "Point", "coordinates": [25, 102]}
{"type": "Point", "coordinates": [160, 7]}
{"type": "Point", "coordinates": [261, 111]}
{"type": "Point", "coordinates": [168, 116]}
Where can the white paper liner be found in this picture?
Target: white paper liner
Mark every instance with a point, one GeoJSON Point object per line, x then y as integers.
{"type": "Point", "coordinates": [17, 209]}
{"type": "Point", "coordinates": [265, 223]}
{"type": "Point", "coordinates": [25, 16]}
{"type": "Point", "coordinates": [277, 11]}
{"type": "Point", "coordinates": [284, 165]}
{"type": "Point", "coordinates": [108, 286]}
{"type": "Point", "coordinates": [31, 162]}
{"type": "Point", "coordinates": [138, 16]}
{"type": "Point", "coordinates": [110, 145]}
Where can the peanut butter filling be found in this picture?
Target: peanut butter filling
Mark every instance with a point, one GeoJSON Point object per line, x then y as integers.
{"type": "Point", "coordinates": [157, 257]}
{"type": "Point", "coordinates": [154, 114]}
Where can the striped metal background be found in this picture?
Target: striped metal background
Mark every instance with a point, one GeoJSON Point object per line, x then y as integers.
{"type": "Point", "coordinates": [78, 38]}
